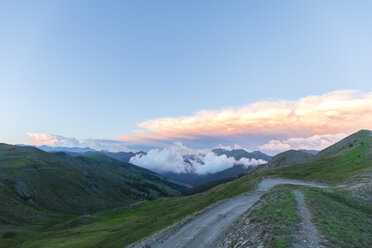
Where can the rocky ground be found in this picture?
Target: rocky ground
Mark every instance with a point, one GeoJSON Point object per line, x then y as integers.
{"type": "Point", "coordinates": [362, 188]}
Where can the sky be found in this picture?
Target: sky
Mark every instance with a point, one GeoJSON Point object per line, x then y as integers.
{"type": "Point", "coordinates": [124, 75]}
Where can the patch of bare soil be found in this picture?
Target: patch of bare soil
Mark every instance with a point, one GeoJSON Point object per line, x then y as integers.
{"type": "Point", "coordinates": [362, 188]}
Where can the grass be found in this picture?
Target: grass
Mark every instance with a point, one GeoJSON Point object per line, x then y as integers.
{"type": "Point", "coordinates": [76, 185]}
{"type": "Point", "coordinates": [331, 170]}
{"type": "Point", "coordinates": [120, 227]}
{"type": "Point", "coordinates": [344, 220]}
{"type": "Point", "coordinates": [278, 214]}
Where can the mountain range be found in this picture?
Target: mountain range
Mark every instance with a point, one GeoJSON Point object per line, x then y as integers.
{"type": "Point", "coordinates": [195, 180]}
{"type": "Point", "coordinates": [190, 178]}
{"type": "Point", "coordinates": [35, 184]}
{"type": "Point", "coordinates": [52, 199]}
{"type": "Point", "coordinates": [237, 154]}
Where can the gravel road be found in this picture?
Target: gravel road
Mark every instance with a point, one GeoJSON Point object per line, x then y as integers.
{"type": "Point", "coordinates": [206, 228]}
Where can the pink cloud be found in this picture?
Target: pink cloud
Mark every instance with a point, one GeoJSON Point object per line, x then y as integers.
{"type": "Point", "coordinates": [40, 139]}
{"type": "Point", "coordinates": [339, 112]}
{"type": "Point", "coordinates": [316, 142]}
{"type": "Point", "coordinates": [343, 111]}
{"type": "Point", "coordinates": [43, 139]}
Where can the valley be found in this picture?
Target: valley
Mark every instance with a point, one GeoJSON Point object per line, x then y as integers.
{"type": "Point", "coordinates": [185, 124]}
{"type": "Point", "coordinates": [213, 216]}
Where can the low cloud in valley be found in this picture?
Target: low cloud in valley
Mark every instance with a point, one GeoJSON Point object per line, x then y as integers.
{"type": "Point", "coordinates": [178, 158]}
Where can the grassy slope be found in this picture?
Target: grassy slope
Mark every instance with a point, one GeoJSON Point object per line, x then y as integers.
{"type": "Point", "coordinates": [35, 184]}
{"type": "Point", "coordinates": [284, 159]}
{"type": "Point", "coordinates": [357, 160]}
{"type": "Point", "coordinates": [344, 220]}
{"type": "Point", "coordinates": [120, 227]}
{"type": "Point", "coordinates": [278, 214]}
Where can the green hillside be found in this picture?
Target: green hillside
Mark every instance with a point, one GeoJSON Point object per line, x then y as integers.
{"type": "Point", "coordinates": [346, 159]}
{"type": "Point", "coordinates": [285, 159]}
{"type": "Point", "coordinates": [122, 226]}
{"type": "Point", "coordinates": [35, 184]}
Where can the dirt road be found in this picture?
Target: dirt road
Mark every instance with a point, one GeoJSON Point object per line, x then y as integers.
{"type": "Point", "coordinates": [205, 229]}
{"type": "Point", "coordinates": [308, 234]}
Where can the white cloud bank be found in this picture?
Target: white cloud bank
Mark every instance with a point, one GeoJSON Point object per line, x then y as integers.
{"type": "Point", "coordinates": [178, 158]}
{"type": "Point", "coordinates": [229, 148]}
{"type": "Point", "coordinates": [315, 142]}
{"type": "Point", "coordinates": [61, 141]}
{"type": "Point", "coordinates": [170, 159]}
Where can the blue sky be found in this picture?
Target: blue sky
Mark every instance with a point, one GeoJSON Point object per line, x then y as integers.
{"type": "Point", "coordinates": [96, 69]}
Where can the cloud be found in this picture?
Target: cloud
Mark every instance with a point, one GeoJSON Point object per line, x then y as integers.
{"type": "Point", "coordinates": [316, 142]}
{"type": "Point", "coordinates": [61, 141]}
{"type": "Point", "coordinates": [167, 159]}
{"type": "Point", "coordinates": [315, 121]}
{"type": "Point", "coordinates": [250, 162]}
{"type": "Point", "coordinates": [336, 112]}
{"type": "Point", "coordinates": [178, 158]}
{"type": "Point", "coordinates": [229, 148]}
{"type": "Point", "coordinates": [275, 145]}
{"type": "Point", "coordinates": [213, 163]}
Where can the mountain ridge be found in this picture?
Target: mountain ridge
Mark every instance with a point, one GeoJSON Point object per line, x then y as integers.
{"type": "Point", "coordinates": [57, 182]}
{"type": "Point", "coordinates": [195, 180]}
{"type": "Point", "coordinates": [237, 154]}
{"type": "Point", "coordinates": [286, 158]}
{"type": "Point", "coordinates": [124, 226]}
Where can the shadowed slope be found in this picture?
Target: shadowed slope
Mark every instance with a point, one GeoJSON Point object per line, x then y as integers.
{"type": "Point", "coordinates": [284, 159]}
{"type": "Point", "coordinates": [36, 180]}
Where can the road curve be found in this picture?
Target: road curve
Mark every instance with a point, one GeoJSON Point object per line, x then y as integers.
{"type": "Point", "coordinates": [205, 229]}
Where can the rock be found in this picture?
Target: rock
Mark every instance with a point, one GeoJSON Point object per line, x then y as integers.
{"type": "Point", "coordinates": [23, 190]}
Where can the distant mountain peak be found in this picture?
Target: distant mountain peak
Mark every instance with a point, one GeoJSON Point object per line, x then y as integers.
{"type": "Point", "coordinates": [241, 153]}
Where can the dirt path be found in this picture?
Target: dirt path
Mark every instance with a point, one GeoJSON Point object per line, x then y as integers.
{"type": "Point", "coordinates": [205, 229]}
{"type": "Point", "coordinates": [308, 234]}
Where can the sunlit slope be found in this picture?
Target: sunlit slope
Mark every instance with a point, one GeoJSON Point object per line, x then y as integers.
{"type": "Point", "coordinates": [347, 158]}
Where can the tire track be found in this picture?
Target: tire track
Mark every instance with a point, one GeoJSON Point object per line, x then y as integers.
{"type": "Point", "coordinates": [308, 234]}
